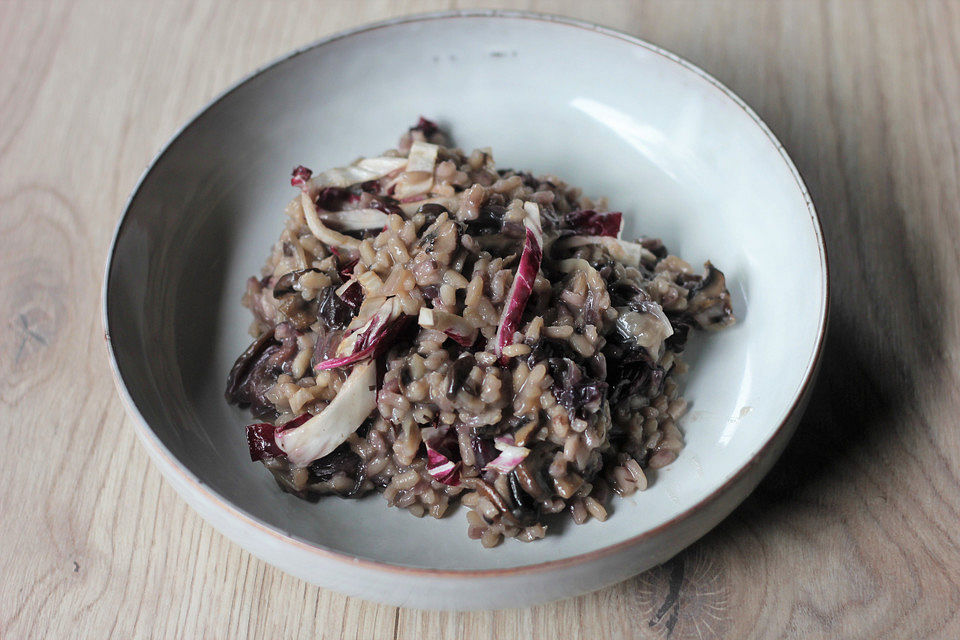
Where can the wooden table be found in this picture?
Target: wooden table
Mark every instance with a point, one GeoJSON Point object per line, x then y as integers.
{"type": "Point", "coordinates": [854, 533]}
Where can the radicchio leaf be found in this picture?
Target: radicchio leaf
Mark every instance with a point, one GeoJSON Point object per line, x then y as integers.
{"type": "Point", "coordinates": [454, 326]}
{"type": "Point", "coordinates": [327, 430]}
{"type": "Point", "coordinates": [442, 469]}
{"type": "Point", "coordinates": [443, 454]}
{"type": "Point", "coordinates": [510, 455]}
{"type": "Point", "coordinates": [344, 265]}
{"type": "Point", "coordinates": [300, 176]}
{"type": "Point", "coordinates": [333, 198]}
{"type": "Point", "coordinates": [353, 295]}
{"type": "Point", "coordinates": [483, 450]}
{"type": "Point", "coordinates": [590, 223]}
{"type": "Point", "coordinates": [523, 282]}
{"type": "Point", "coordinates": [427, 127]}
{"type": "Point", "coordinates": [370, 340]}
{"type": "Point", "coordinates": [261, 437]}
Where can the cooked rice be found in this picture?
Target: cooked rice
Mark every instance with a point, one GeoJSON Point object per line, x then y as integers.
{"type": "Point", "coordinates": [586, 386]}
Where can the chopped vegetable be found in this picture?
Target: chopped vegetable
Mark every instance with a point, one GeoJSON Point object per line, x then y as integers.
{"type": "Point", "coordinates": [417, 178]}
{"type": "Point", "coordinates": [255, 371]}
{"type": "Point", "coordinates": [423, 156]}
{"type": "Point", "coordinates": [647, 327]}
{"type": "Point", "coordinates": [327, 430]}
{"type": "Point", "coordinates": [261, 438]}
{"type": "Point", "coordinates": [483, 450]}
{"type": "Point", "coordinates": [352, 294]}
{"type": "Point", "coordinates": [523, 282]}
{"type": "Point", "coordinates": [369, 339]}
{"type": "Point", "coordinates": [591, 223]}
{"type": "Point", "coordinates": [412, 207]}
{"type": "Point", "coordinates": [442, 448]}
{"type": "Point", "coordinates": [285, 283]}
{"type": "Point", "coordinates": [334, 198]}
{"type": "Point", "coordinates": [334, 311]}
{"type": "Point", "coordinates": [425, 126]}
{"type": "Point", "coordinates": [341, 460]}
{"type": "Point", "coordinates": [458, 328]}
{"type": "Point", "coordinates": [710, 301]}
{"type": "Point", "coordinates": [633, 372]}
{"type": "Point", "coordinates": [321, 231]}
{"type": "Point", "coordinates": [354, 219]}
{"type": "Point", "coordinates": [374, 313]}
{"type": "Point", "coordinates": [344, 265]}
{"type": "Point", "coordinates": [510, 455]}
{"type": "Point", "coordinates": [362, 170]}
{"type": "Point", "coordinates": [458, 372]}
{"type": "Point", "coordinates": [386, 205]}
{"type": "Point", "coordinates": [300, 176]}
{"type": "Point", "coordinates": [441, 469]}
{"type": "Point", "coordinates": [629, 253]}
{"type": "Point", "coordinates": [573, 389]}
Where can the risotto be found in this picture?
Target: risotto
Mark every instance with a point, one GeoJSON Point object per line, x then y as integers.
{"type": "Point", "coordinates": [442, 331]}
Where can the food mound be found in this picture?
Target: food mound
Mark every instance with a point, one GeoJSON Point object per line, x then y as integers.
{"type": "Point", "coordinates": [439, 330]}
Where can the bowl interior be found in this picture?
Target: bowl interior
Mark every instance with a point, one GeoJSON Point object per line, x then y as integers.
{"type": "Point", "coordinates": [681, 158]}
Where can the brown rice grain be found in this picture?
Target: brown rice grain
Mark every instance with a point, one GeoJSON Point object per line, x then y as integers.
{"type": "Point", "coordinates": [677, 408]}
{"type": "Point", "coordinates": [561, 331]}
{"type": "Point", "coordinates": [595, 509]}
{"type": "Point", "coordinates": [490, 538]}
{"type": "Point", "coordinates": [514, 350]}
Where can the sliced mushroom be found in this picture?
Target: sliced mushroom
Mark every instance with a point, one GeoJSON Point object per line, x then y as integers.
{"type": "Point", "coordinates": [709, 304]}
{"type": "Point", "coordinates": [525, 509]}
{"type": "Point", "coordinates": [286, 282]}
{"type": "Point", "coordinates": [485, 490]}
{"type": "Point", "coordinates": [241, 368]}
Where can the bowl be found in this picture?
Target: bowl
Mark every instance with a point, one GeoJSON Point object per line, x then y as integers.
{"type": "Point", "coordinates": [683, 157]}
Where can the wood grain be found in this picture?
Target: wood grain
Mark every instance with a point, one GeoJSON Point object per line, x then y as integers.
{"type": "Point", "coordinates": [854, 534]}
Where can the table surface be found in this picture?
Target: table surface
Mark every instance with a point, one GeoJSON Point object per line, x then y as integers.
{"type": "Point", "coordinates": [853, 534]}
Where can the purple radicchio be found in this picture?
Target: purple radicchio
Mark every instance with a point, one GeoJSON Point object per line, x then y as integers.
{"type": "Point", "coordinates": [510, 455]}
{"type": "Point", "coordinates": [443, 453]}
{"type": "Point", "coordinates": [590, 223]}
{"type": "Point", "coordinates": [262, 437]}
{"type": "Point", "coordinates": [522, 285]}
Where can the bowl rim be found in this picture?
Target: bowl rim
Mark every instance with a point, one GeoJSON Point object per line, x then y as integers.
{"type": "Point", "coordinates": [169, 463]}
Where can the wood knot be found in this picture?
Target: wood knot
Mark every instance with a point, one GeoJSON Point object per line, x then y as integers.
{"type": "Point", "coordinates": [686, 597]}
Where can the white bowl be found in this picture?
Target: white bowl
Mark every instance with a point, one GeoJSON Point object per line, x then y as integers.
{"type": "Point", "coordinates": [682, 156]}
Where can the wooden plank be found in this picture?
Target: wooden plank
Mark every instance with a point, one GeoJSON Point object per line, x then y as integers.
{"type": "Point", "coordinates": [852, 535]}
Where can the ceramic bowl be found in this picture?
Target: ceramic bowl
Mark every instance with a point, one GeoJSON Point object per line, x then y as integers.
{"type": "Point", "coordinates": [683, 157]}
